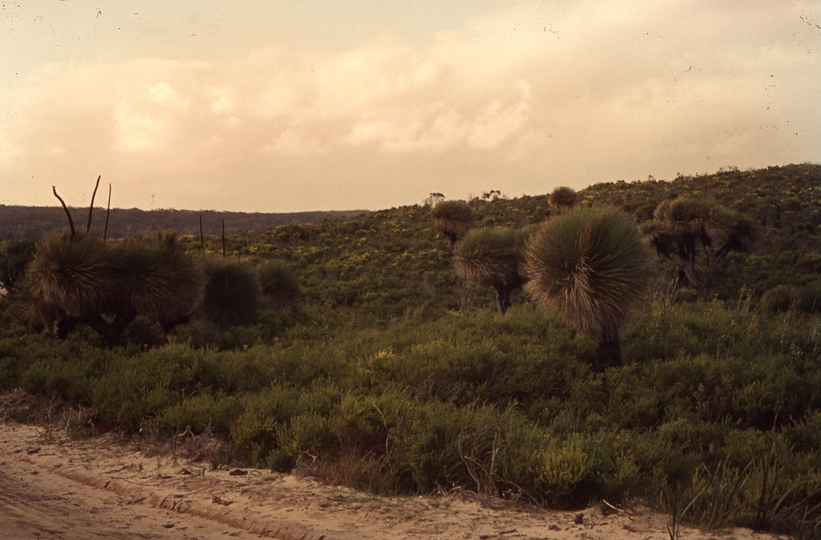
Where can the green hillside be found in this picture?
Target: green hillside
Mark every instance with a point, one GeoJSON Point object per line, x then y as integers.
{"type": "Point", "coordinates": [390, 373]}
{"type": "Point", "coordinates": [394, 259]}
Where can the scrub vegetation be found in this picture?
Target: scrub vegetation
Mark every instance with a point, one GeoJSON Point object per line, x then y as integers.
{"type": "Point", "coordinates": [358, 349]}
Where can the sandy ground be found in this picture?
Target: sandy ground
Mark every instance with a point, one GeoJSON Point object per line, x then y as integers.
{"type": "Point", "coordinates": [54, 487]}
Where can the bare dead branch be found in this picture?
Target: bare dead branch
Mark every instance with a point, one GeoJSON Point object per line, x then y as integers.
{"type": "Point", "coordinates": [107, 211]}
{"type": "Point", "coordinates": [91, 206]}
{"type": "Point", "coordinates": [68, 214]}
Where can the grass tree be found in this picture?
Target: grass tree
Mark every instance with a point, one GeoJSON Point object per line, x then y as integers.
{"type": "Point", "coordinates": [591, 264]}
{"type": "Point", "coordinates": [230, 294]}
{"type": "Point", "coordinates": [73, 278]}
{"type": "Point", "coordinates": [563, 198]}
{"type": "Point", "coordinates": [684, 227]}
{"type": "Point", "coordinates": [453, 219]}
{"type": "Point", "coordinates": [80, 278]}
{"type": "Point", "coordinates": [494, 257]}
{"type": "Point", "coordinates": [279, 282]}
{"type": "Point", "coordinates": [158, 280]}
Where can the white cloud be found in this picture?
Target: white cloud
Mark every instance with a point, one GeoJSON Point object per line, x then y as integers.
{"type": "Point", "coordinates": [498, 123]}
{"type": "Point", "coordinates": [10, 150]}
{"type": "Point", "coordinates": [163, 94]}
{"type": "Point", "coordinates": [442, 133]}
{"type": "Point", "coordinates": [373, 76]}
{"type": "Point", "coordinates": [295, 143]}
{"type": "Point", "coordinates": [55, 150]}
{"type": "Point", "coordinates": [596, 90]}
{"type": "Point", "coordinates": [136, 132]}
{"type": "Point", "coordinates": [223, 101]}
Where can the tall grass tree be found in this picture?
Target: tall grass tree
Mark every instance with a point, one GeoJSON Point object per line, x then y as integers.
{"type": "Point", "coordinates": [453, 219]}
{"type": "Point", "coordinates": [684, 227]}
{"type": "Point", "coordinates": [592, 265]}
{"type": "Point", "coordinates": [278, 282]}
{"type": "Point", "coordinates": [74, 278]}
{"type": "Point", "coordinates": [229, 295]}
{"type": "Point", "coordinates": [494, 257]}
{"type": "Point", "coordinates": [158, 280]}
{"type": "Point", "coordinates": [80, 278]}
{"type": "Point", "coordinates": [563, 198]}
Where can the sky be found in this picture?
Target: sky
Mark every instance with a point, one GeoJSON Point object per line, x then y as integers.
{"type": "Point", "coordinates": [301, 105]}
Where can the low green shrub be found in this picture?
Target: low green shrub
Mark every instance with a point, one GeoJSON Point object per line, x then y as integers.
{"type": "Point", "coordinates": [779, 299]}
{"type": "Point", "coordinates": [809, 299]}
{"type": "Point", "coordinates": [202, 413]}
{"type": "Point", "coordinates": [504, 406]}
{"type": "Point", "coordinates": [571, 471]}
{"type": "Point", "coordinates": [310, 435]}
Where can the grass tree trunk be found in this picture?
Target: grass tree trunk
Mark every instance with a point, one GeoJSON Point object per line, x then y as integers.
{"type": "Point", "coordinates": [608, 354]}
{"type": "Point", "coordinates": [682, 224]}
{"type": "Point", "coordinates": [62, 326]}
{"type": "Point", "coordinates": [452, 239]}
{"type": "Point", "coordinates": [125, 316]}
{"type": "Point", "coordinates": [103, 329]}
{"type": "Point", "coordinates": [503, 293]}
{"type": "Point", "coordinates": [713, 260]}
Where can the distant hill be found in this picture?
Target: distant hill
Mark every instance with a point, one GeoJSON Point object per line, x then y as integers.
{"type": "Point", "coordinates": [20, 222]}
{"type": "Point", "coordinates": [392, 261]}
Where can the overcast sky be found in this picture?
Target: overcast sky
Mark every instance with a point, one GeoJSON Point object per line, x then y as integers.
{"type": "Point", "coordinates": [296, 105]}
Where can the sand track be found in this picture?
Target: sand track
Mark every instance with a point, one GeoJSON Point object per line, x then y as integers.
{"type": "Point", "coordinates": [54, 487]}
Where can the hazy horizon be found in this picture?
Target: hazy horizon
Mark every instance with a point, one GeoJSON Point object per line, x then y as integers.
{"type": "Point", "coordinates": [317, 105]}
{"type": "Point", "coordinates": [100, 200]}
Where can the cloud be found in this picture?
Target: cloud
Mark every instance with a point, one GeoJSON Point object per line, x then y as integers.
{"type": "Point", "coordinates": [136, 131]}
{"type": "Point", "coordinates": [163, 94]}
{"type": "Point", "coordinates": [222, 101]}
{"type": "Point", "coordinates": [10, 150]}
{"type": "Point", "coordinates": [295, 142]}
{"type": "Point", "coordinates": [498, 123]}
{"type": "Point", "coordinates": [583, 91]}
{"type": "Point", "coordinates": [55, 150]}
{"type": "Point", "coordinates": [145, 121]}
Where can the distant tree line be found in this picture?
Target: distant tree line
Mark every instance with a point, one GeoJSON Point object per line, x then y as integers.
{"type": "Point", "coordinates": [24, 222]}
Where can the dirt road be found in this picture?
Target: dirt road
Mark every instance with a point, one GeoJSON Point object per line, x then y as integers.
{"type": "Point", "coordinates": [52, 487]}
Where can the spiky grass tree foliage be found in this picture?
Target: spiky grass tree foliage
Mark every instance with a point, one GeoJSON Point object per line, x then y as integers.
{"type": "Point", "coordinates": [278, 282]}
{"type": "Point", "coordinates": [73, 278]}
{"type": "Point", "coordinates": [230, 294]}
{"type": "Point", "coordinates": [81, 278]}
{"type": "Point", "coordinates": [158, 280]}
{"type": "Point", "coordinates": [591, 264]}
{"type": "Point", "coordinates": [495, 257]}
{"type": "Point", "coordinates": [492, 257]}
{"type": "Point", "coordinates": [453, 219]}
{"type": "Point", "coordinates": [563, 198]}
{"type": "Point", "coordinates": [683, 227]}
